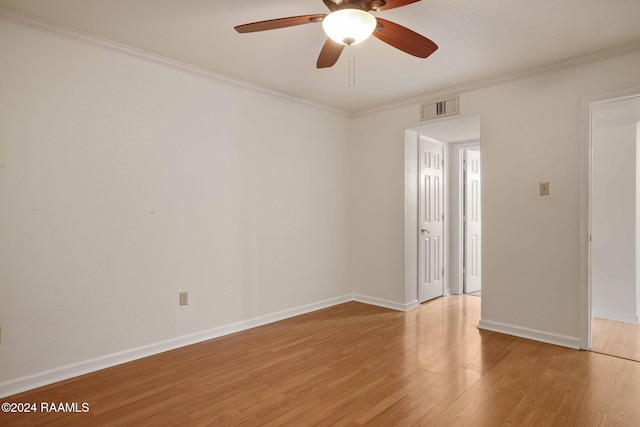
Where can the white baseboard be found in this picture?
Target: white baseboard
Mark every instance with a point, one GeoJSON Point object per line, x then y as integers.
{"type": "Point", "coordinates": [411, 305]}
{"type": "Point", "coordinates": [385, 303]}
{"type": "Point", "coordinates": [40, 379]}
{"type": "Point", "coordinates": [617, 316]}
{"type": "Point", "coordinates": [532, 334]}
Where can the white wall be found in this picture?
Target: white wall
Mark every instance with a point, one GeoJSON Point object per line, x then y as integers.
{"type": "Point", "coordinates": [613, 221]}
{"type": "Point", "coordinates": [531, 247]}
{"type": "Point", "coordinates": [377, 204]}
{"type": "Point", "coordinates": [123, 182]}
{"type": "Point", "coordinates": [637, 228]}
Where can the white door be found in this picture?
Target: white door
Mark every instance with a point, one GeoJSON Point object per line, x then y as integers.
{"type": "Point", "coordinates": [472, 238]}
{"type": "Point", "coordinates": [431, 218]}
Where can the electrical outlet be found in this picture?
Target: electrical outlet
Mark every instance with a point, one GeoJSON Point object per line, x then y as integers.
{"type": "Point", "coordinates": [184, 298]}
{"type": "Point", "coordinates": [544, 188]}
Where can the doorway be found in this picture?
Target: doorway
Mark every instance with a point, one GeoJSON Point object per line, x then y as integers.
{"type": "Point", "coordinates": [614, 225]}
{"type": "Point", "coordinates": [454, 136]}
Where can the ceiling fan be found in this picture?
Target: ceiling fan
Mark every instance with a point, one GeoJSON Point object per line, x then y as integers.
{"type": "Point", "coordinates": [351, 22]}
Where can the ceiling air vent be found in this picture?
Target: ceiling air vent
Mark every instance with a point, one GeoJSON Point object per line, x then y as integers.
{"type": "Point", "coordinates": [442, 108]}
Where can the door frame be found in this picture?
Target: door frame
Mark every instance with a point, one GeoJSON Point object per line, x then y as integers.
{"type": "Point", "coordinates": [586, 165]}
{"type": "Point", "coordinates": [411, 226]}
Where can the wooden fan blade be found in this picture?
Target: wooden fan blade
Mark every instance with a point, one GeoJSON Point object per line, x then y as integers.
{"type": "Point", "coordinates": [333, 6]}
{"type": "Point", "coordinates": [273, 24]}
{"type": "Point", "coordinates": [404, 39]}
{"type": "Point", "coordinates": [329, 54]}
{"type": "Point", "coordinates": [389, 4]}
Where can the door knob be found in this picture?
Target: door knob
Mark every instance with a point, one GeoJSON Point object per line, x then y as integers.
{"type": "Point", "coordinates": [424, 229]}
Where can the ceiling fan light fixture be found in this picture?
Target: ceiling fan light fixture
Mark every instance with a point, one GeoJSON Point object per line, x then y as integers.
{"type": "Point", "coordinates": [349, 26]}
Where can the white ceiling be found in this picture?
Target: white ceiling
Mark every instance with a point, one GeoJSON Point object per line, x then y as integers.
{"type": "Point", "coordinates": [478, 39]}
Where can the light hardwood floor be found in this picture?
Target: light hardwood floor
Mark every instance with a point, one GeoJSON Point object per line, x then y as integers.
{"type": "Point", "coordinates": [615, 338]}
{"type": "Point", "coordinates": [352, 365]}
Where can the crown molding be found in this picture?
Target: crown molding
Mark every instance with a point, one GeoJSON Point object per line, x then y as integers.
{"type": "Point", "coordinates": [103, 43]}
{"type": "Point", "coordinates": [589, 58]}
{"type": "Point", "coordinates": [73, 34]}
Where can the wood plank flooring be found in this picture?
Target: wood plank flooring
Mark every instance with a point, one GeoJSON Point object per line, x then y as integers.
{"type": "Point", "coordinates": [615, 338]}
{"type": "Point", "coordinates": [352, 365]}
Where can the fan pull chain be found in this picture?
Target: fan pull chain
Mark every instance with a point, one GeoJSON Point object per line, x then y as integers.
{"type": "Point", "coordinates": [352, 68]}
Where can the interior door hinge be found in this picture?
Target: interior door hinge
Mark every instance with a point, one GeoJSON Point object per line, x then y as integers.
{"type": "Point", "coordinates": [443, 272]}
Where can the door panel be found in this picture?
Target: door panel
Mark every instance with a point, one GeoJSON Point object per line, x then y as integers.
{"type": "Point", "coordinates": [431, 218]}
{"type": "Point", "coordinates": [473, 236]}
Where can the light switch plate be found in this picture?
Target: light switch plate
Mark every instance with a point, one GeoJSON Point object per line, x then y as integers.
{"type": "Point", "coordinates": [184, 298]}
{"type": "Point", "coordinates": [544, 188]}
